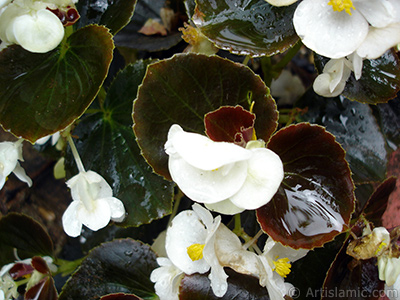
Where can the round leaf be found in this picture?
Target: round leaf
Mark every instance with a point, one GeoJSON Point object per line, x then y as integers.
{"type": "Point", "coordinates": [252, 27]}
{"type": "Point", "coordinates": [43, 93]}
{"type": "Point", "coordinates": [107, 145]}
{"type": "Point", "coordinates": [121, 266]}
{"type": "Point", "coordinates": [181, 90]}
{"type": "Point", "coordinates": [316, 198]}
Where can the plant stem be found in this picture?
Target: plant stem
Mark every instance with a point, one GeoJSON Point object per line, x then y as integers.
{"type": "Point", "coordinates": [75, 153]}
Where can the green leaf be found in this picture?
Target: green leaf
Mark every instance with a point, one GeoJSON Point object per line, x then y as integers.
{"type": "Point", "coordinates": [316, 198]}
{"type": "Point", "coordinates": [112, 14]}
{"type": "Point", "coordinates": [43, 93]}
{"type": "Point", "coordinates": [355, 128]}
{"type": "Point", "coordinates": [181, 90]}
{"type": "Point", "coordinates": [252, 27]}
{"type": "Point", "coordinates": [107, 145]}
{"type": "Point", "coordinates": [25, 234]}
{"type": "Point", "coordinates": [240, 287]}
{"type": "Point", "coordinates": [120, 266]}
{"type": "Point", "coordinates": [388, 116]}
{"type": "Point", "coordinates": [379, 82]}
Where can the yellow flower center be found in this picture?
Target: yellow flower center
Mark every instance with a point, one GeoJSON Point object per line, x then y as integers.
{"type": "Point", "coordinates": [282, 266]}
{"type": "Point", "coordinates": [380, 247]}
{"type": "Point", "coordinates": [339, 5]}
{"type": "Point", "coordinates": [195, 251]}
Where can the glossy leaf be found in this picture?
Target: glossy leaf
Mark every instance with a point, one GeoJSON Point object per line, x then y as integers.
{"type": "Point", "coordinates": [379, 82]}
{"type": "Point", "coordinates": [240, 287]}
{"type": "Point", "coordinates": [112, 14]}
{"type": "Point", "coordinates": [389, 121]}
{"type": "Point", "coordinates": [230, 124]}
{"type": "Point", "coordinates": [131, 37]}
{"type": "Point", "coordinates": [316, 198]}
{"type": "Point", "coordinates": [251, 27]}
{"type": "Point", "coordinates": [181, 90]}
{"type": "Point", "coordinates": [44, 93]}
{"type": "Point", "coordinates": [26, 235]}
{"type": "Point", "coordinates": [107, 145]}
{"type": "Point", "coordinates": [121, 266]}
{"type": "Point", "coordinates": [356, 129]}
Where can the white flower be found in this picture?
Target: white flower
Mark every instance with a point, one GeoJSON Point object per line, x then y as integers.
{"type": "Point", "coordinates": [8, 287]}
{"type": "Point", "coordinates": [10, 153]}
{"type": "Point", "coordinates": [276, 259]}
{"type": "Point", "coordinates": [167, 279]}
{"type": "Point", "coordinates": [287, 87]}
{"type": "Point", "coordinates": [54, 139]}
{"type": "Point", "coordinates": [224, 176]}
{"type": "Point", "coordinates": [93, 204]}
{"type": "Point", "coordinates": [190, 246]}
{"type": "Point", "coordinates": [393, 291]}
{"type": "Point", "coordinates": [30, 24]}
{"type": "Point", "coordinates": [338, 28]}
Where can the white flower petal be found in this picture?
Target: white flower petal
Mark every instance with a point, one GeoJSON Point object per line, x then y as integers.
{"type": "Point", "coordinates": [389, 269]}
{"type": "Point", "coordinates": [275, 284]}
{"type": "Point", "coordinates": [71, 224]}
{"type": "Point", "coordinates": [40, 32]}
{"type": "Point", "coordinates": [8, 158]}
{"type": "Point", "coordinates": [96, 218]}
{"type": "Point", "coordinates": [281, 2]}
{"type": "Point", "coordinates": [217, 276]}
{"type": "Point", "coordinates": [207, 186]}
{"type": "Point", "coordinates": [225, 207]}
{"type": "Point", "coordinates": [264, 176]}
{"type": "Point", "coordinates": [167, 279]}
{"type": "Point", "coordinates": [327, 32]}
{"type": "Point", "coordinates": [393, 291]}
{"type": "Point", "coordinates": [117, 209]}
{"type": "Point", "coordinates": [378, 13]}
{"type": "Point", "coordinates": [230, 253]}
{"type": "Point", "coordinates": [379, 40]}
{"type": "Point", "coordinates": [201, 152]}
{"type": "Point", "coordinates": [186, 229]}
{"type": "Point", "coordinates": [273, 249]}
{"type": "Point", "coordinates": [21, 174]}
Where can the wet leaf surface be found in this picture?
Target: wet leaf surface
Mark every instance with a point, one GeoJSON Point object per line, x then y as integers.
{"type": "Point", "coordinates": [240, 287]}
{"type": "Point", "coordinates": [379, 82]}
{"type": "Point", "coordinates": [44, 93]}
{"type": "Point", "coordinates": [247, 27]}
{"type": "Point", "coordinates": [316, 198]}
{"type": "Point", "coordinates": [107, 145]}
{"type": "Point", "coordinates": [121, 266]}
{"type": "Point", "coordinates": [356, 129]}
{"type": "Point", "coordinates": [181, 90]}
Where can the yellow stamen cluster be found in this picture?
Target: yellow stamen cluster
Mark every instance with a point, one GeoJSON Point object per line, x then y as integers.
{"type": "Point", "coordinates": [339, 5]}
{"type": "Point", "coordinates": [380, 248]}
{"type": "Point", "coordinates": [282, 266]}
{"type": "Point", "coordinates": [195, 251]}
